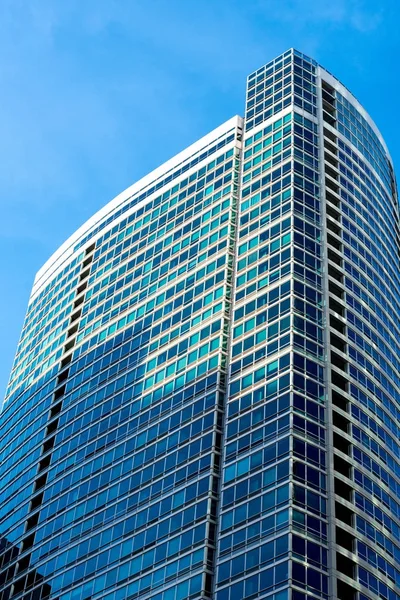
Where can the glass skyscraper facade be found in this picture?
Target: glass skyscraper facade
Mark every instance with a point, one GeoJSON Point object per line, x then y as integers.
{"type": "Point", "coordinates": [205, 398]}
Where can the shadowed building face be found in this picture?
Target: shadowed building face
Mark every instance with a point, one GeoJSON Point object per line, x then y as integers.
{"type": "Point", "coordinates": [204, 399]}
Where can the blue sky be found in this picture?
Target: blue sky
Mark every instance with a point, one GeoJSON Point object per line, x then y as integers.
{"type": "Point", "coordinates": [95, 94]}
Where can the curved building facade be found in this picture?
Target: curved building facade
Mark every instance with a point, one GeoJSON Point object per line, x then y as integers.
{"type": "Point", "coordinates": [205, 398]}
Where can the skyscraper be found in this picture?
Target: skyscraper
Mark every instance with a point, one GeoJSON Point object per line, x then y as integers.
{"type": "Point", "coordinates": [205, 397]}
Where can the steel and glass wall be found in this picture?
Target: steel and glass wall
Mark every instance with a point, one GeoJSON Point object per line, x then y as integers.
{"type": "Point", "coordinates": [205, 399]}
{"type": "Point", "coordinates": [273, 537]}
{"type": "Point", "coordinates": [111, 432]}
{"type": "Point", "coordinates": [363, 326]}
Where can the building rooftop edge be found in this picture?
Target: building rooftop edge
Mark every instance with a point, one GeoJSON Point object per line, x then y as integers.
{"type": "Point", "coordinates": [331, 79]}
{"type": "Point", "coordinates": [46, 270]}
{"type": "Point", "coordinates": [67, 248]}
